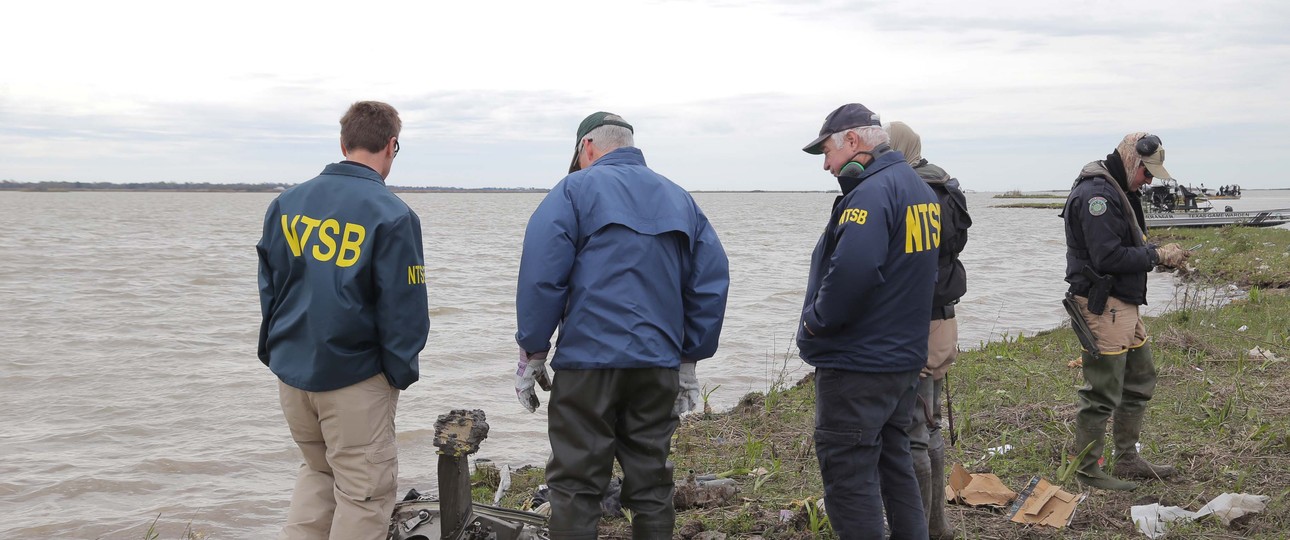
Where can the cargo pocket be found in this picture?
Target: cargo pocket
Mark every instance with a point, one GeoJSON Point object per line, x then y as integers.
{"type": "Point", "coordinates": [367, 472]}
{"type": "Point", "coordinates": [843, 453]}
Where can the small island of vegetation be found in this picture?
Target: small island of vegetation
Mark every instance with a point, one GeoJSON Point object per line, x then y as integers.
{"type": "Point", "coordinates": [1017, 194]}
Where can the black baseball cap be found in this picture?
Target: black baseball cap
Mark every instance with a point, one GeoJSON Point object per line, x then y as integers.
{"type": "Point", "coordinates": [851, 115]}
{"type": "Point", "coordinates": [591, 122]}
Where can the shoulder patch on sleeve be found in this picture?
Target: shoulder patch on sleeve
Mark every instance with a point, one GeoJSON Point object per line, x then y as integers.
{"type": "Point", "coordinates": [1097, 206]}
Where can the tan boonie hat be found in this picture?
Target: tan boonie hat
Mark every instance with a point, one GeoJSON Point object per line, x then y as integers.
{"type": "Point", "coordinates": [1152, 153]}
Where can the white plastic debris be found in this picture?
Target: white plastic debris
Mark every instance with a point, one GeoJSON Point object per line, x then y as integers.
{"type": "Point", "coordinates": [1153, 519]}
{"type": "Point", "coordinates": [1259, 353]}
{"type": "Point", "coordinates": [1230, 506]}
{"type": "Point", "coordinates": [998, 450]}
{"type": "Point", "coordinates": [1242, 328]}
{"type": "Point", "coordinates": [503, 484]}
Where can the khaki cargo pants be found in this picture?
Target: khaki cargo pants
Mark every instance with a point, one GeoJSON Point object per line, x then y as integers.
{"type": "Point", "coordinates": [1119, 327]}
{"type": "Point", "coordinates": [346, 487]}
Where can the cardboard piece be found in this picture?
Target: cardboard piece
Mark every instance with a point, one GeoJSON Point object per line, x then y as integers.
{"type": "Point", "coordinates": [1042, 503]}
{"type": "Point", "coordinates": [981, 489]}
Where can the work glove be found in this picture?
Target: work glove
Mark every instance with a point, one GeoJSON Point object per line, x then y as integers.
{"type": "Point", "coordinates": [1172, 255]}
{"type": "Point", "coordinates": [688, 398]}
{"type": "Point", "coordinates": [530, 371]}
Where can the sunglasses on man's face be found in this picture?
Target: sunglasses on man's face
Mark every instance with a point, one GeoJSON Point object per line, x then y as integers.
{"type": "Point", "coordinates": [1145, 171]}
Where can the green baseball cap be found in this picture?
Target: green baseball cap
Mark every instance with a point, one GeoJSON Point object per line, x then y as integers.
{"type": "Point", "coordinates": [591, 122]}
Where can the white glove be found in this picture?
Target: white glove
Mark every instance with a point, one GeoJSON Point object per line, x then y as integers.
{"type": "Point", "coordinates": [688, 398]}
{"type": "Point", "coordinates": [530, 370]}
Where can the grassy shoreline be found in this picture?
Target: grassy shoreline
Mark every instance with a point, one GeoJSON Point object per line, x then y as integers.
{"type": "Point", "coordinates": [1221, 417]}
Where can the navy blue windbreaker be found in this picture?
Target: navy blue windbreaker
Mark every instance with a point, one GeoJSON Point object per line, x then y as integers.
{"type": "Point", "coordinates": [342, 283]}
{"type": "Point", "coordinates": [628, 267]}
{"type": "Point", "coordinates": [873, 272]}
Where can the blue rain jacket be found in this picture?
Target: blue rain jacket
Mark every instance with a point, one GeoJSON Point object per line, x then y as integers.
{"type": "Point", "coordinates": [342, 283]}
{"type": "Point", "coordinates": [873, 273]}
{"type": "Point", "coordinates": [627, 265]}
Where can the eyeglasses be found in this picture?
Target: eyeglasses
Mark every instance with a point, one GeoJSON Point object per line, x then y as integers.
{"type": "Point", "coordinates": [396, 147]}
{"type": "Point", "coordinates": [1147, 172]}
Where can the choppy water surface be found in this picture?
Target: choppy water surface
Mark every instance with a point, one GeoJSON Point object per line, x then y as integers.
{"type": "Point", "coordinates": [131, 386]}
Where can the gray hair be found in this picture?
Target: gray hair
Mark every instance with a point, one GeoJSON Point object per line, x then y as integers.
{"type": "Point", "coordinates": [871, 136]}
{"type": "Point", "coordinates": [609, 138]}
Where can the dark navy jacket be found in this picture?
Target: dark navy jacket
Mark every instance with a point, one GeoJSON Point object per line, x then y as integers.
{"type": "Point", "coordinates": [869, 295]}
{"type": "Point", "coordinates": [627, 265]}
{"type": "Point", "coordinates": [342, 283]}
{"type": "Point", "coordinates": [1100, 232]}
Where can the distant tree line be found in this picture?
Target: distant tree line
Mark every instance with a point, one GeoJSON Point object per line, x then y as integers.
{"type": "Point", "coordinates": [10, 185]}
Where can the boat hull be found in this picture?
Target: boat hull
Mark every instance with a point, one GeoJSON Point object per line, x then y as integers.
{"type": "Point", "coordinates": [1262, 218]}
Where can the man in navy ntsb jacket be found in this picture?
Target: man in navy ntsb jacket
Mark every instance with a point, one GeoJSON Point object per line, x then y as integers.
{"type": "Point", "coordinates": [343, 298]}
{"type": "Point", "coordinates": [864, 326]}
{"type": "Point", "coordinates": [624, 262]}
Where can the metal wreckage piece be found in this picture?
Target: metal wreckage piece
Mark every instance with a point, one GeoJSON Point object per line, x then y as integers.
{"type": "Point", "coordinates": [452, 515]}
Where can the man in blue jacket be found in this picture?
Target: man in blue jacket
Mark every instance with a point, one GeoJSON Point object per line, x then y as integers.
{"type": "Point", "coordinates": [627, 266]}
{"type": "Point", "coordinates": [343, 298]}
{"type": "Point", "coordinates": [865, 326]}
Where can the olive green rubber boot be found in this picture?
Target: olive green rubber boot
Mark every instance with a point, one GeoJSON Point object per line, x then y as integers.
{"type": "Point", "coordinates": [1128, 463]}
{"type": "Point", "coordinates": [938, 527]}
{"type": "Point", "coordinates": [1089, 473]}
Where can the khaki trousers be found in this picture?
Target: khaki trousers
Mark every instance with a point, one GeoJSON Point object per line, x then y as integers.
{"type": "Point", "coordinates": [1119, 327]}
{"type": "Point", "coordinates": [346, 486]}
{"type": "Point", "coordinates": [942, 347]}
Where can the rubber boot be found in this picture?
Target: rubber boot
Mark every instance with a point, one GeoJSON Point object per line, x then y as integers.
{"type": "Point", "coordinates": [1128, 463]}
{"type": "Point", "coordinates": [923, 471]}
{"type": "Point", "coordinates": [938, 527]}
{"type": "Point", "coordinates": [1089, 473]}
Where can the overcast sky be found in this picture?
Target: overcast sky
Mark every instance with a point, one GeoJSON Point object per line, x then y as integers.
{"type": "Point", "coordinates": [723, 94]}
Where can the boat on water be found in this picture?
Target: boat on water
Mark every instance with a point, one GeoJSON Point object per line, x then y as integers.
{"type": "Point", "coordinates": [1167, 195]}
{"type": "Point", "coordinates": [1170, 204]}
{"type": "Point", "coordinates": [1230, 192]}
{"type": "Point", "coordinates": [1257, 218]}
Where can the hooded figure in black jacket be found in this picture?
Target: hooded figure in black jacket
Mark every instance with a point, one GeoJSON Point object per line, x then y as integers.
{"type": "Point", "coordinates": [925, 440]}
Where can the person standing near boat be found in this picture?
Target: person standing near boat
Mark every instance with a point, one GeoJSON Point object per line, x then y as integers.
{"type": "Point", "coordinates": [925, 441]}
{"type": "Point", "coordinates": [1107, 260]}
{"type": "Point", "coordinates": [343, 299]}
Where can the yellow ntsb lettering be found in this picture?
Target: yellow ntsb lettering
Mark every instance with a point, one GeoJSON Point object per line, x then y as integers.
{"type": "Point", "coordinates": [416, 275]}
{"type": "Point", "coordinates": [922, 227]}
{"type": "Point", "coordinates": [856, 215]}
{"type": "Point", "coordinates": [327, 240]}
{"type": "Point", "coordinates": [351, 241]}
